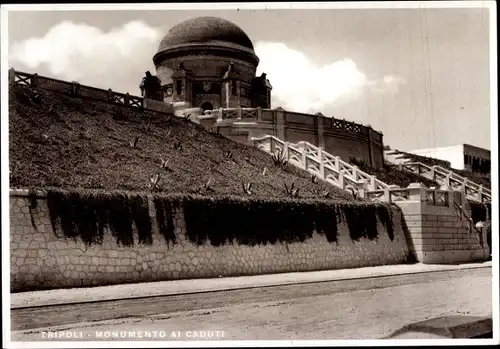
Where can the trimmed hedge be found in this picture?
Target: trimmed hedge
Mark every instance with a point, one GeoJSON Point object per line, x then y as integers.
{"type": "Point", "coordinates": [215, 220]}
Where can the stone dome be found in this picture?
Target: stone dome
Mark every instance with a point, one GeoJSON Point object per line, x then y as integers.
{"type": "Point", "coordinates": [207, 31]}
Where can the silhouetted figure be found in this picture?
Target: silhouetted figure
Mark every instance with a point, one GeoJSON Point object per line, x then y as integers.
{"type": "Point", "coordinates": [151, 87]}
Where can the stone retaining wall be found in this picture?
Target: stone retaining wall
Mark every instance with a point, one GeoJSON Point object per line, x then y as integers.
{"type": "Point", "coordinates": [442, 234]}
{"type": "Point", "coordinates": [40, 260]}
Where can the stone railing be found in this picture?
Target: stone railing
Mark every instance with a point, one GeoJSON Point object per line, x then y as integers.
{"type": "Point", "coordinates": [78, 90]}
{"type": "Point", "coordinates": [232, 114]}
{"type": "Point", "coordinates": [448, 180]}
{"type": "Point", "coordinates": [345, 176]}
{"type": "Point", "coordinates": [469, 223]}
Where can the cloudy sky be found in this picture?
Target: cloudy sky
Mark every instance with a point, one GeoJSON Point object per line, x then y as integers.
{"type": "Point", "coordinates": [421, 76]}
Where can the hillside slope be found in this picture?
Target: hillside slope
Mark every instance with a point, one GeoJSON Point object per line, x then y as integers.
{"type": "Point", "coordinates": [61, 141]}
{"type": "Point", "coordinates": [393, 176]}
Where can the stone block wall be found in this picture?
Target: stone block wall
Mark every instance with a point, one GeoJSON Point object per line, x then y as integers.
{"type": "Point", "coordinates": [437, 234]}
{"type": "Point", "coordinates": [41, 260]}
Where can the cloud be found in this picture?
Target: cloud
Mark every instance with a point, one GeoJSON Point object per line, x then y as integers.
{"type": "Point", "coordinates": [300, 85]}
{"type": "Point", "coordinates": [388, 84]}
{"type": "Point", "coordinates": [119, 57]}
{"type": "Point", "coordinates": [75, 51]}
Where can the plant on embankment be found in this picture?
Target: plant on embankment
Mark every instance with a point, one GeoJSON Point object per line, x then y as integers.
{"type": "Point", "coordinates": [87, 214]}
{"type": "Point", "coordinates": [215, 220]}
{"type": "Point", "coordinates": [250, 222]}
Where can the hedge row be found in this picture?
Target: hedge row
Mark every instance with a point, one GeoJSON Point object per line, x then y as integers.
{"type": "Point", "coordinates": [217, 220]}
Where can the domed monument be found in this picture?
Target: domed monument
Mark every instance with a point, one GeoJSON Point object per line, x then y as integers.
{"type": "Point", "coordinates": [210, 63]}
{"type": "Point", "coordinates": [206, 71]}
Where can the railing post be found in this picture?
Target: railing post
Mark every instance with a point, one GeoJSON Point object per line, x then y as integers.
{"type": "Point", "coordinates": [12, 76]}
{"type": "Point", "coordinates": [433, 174]}
{"type": "Point", "coordinates": [417, 192]}
{"type": "Point", "coordinates": [34, 80]}
{"type": "Point", "coordinates": [464, 183]}
{"type": "Point", "coordinates": [337, 164]}
{"type": "Point", "coordinates": [341, 179]}
{"type": "Point", "coordinates": [447, 182]}
{"type": "Point", "coordinates": [238, 113]}
{"type": "Point", "coordinates": [387, 195]}
{"type": "Point", "coordinates": [259, 114]}
{"type": "Point", "coordinates": [372, 182]}
{"type": "Point", "coordinates": [362, 188]}
{"type": "Point", "coordinates": [110, 95]}
{"type": "Point", "coordinates": [304, 158]}
{"type": "Point", "coordinates": [126, 99]}
{"type": "Point", "coordinates": [285, 151]}
{"type": "Point", "coordinates": [480, 193]}
{"type": "Point", "coordinates": [321, 164]}
{"type": "Point", "coordinates": [355, 172]}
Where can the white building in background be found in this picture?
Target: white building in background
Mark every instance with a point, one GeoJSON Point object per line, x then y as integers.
{"type": "Point", "coordinates": [461, 157]}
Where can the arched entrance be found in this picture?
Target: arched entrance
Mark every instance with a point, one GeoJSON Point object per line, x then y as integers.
{"type": "Point", "coordinates": [207, 106]}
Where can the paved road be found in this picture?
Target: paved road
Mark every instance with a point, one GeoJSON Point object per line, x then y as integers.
{"type": "Point", "coordinates": [348, 309]}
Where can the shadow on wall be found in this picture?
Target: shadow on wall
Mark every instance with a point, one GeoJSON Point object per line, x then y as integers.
{"type": "Point", "coordinates": [130, 238]}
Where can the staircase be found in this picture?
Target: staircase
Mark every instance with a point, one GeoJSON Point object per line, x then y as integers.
{"type": "Point", "coordinates": [395, 157]}
{"type": "Point", "coordinates": [445, 177]}
{"type": "Point", "coordinates": [331, 169]}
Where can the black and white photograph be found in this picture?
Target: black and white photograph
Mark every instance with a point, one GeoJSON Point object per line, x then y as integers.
{"type": "Point", "coordinates": [240, 174]}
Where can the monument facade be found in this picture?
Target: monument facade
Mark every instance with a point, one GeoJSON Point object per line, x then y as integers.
{"type": "Point", "coordinates": [210, 63]}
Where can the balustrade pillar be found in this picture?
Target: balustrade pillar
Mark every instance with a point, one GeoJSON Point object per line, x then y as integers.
{"type": "Point", "coordinates": [341, 179]}
{"type": "Point", "coordinates": [480, 193]}
{"type": "Point", "coordinates": [259, 114]}
{"type": "Point", "coordinates": [285, 151]}
{"type": "Point", "coordinates": [362, 188]}
{"type": "Point", "coordinates": [387, 194]}
{"type": "Point", "coordinates": [304, 158]}
{"type": "Point", "coordinates": [321, 164]}
{"type": "Point", "coordinates": [417, 192]}
{"type": "Point", "coordinates": [34, 80]}
{"type": "Point", "coordinates": [355, 173]}
{"type": "Point", "coordinates": [337, 164]}
{"type": "Point", "coordinates": [12, 76]}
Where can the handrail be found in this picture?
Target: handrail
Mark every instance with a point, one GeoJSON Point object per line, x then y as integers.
{"type": "Point", "coordinates": [315, 160]}
{"type": "Point", "coordinates": [463, 216]}
{"type": "Point", "coordinates": [450, 178]}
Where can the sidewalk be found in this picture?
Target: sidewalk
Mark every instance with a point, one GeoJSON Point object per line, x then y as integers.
{"type": "Point", "coordinates": [176, 287]}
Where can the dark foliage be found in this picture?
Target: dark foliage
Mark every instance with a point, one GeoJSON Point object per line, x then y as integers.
{"type": "Point", "coordinates": [86, 214]}
{"type": "Point", "coordinates": [258, 222]}
{"type": "Point", "coordinates": [390, 175]}
{"type": "Point", "coordinates": [165, 219]}
{"type": "Point", "coordinates": [362, 221]}
{"type": "Point", "coordinates": [140, 215]}
{"type": "Point", "coordinates": [479, 211]}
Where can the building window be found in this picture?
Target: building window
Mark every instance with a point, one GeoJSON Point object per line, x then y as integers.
{"type": "Point", "coordinates": [178, 87]}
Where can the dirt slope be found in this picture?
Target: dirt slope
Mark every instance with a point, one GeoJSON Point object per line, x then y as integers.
{"type": "Point", "coordinates": [61, 141]}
